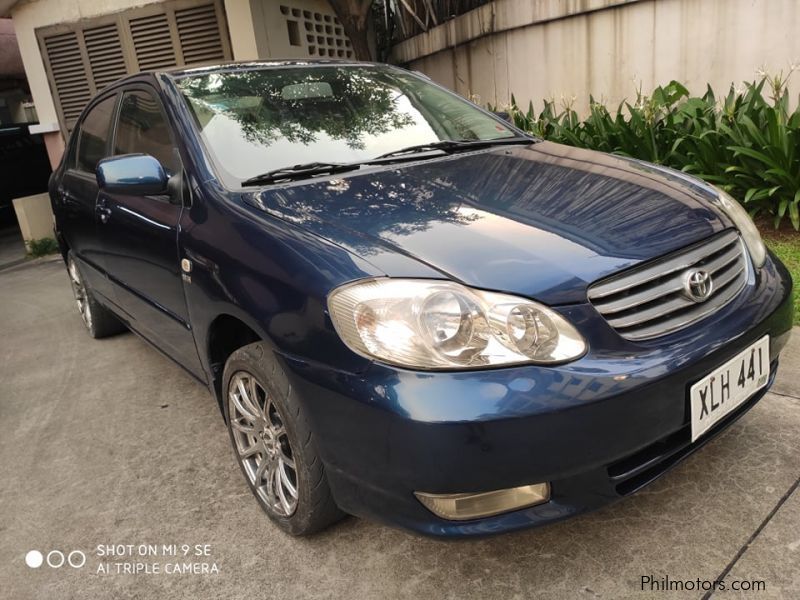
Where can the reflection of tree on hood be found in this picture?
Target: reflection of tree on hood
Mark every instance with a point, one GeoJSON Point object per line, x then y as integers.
{"type": "Point", "coordinates": [390, 207]}
{"type": "Point", "coordinates": [256, 100]}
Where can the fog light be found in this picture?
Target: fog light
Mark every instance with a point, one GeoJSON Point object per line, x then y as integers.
{"type": "Point", "coordinates": [458, 507]}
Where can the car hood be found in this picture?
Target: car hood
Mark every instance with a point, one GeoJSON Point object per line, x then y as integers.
{"type": "Point", "coordinates": [543, 220]}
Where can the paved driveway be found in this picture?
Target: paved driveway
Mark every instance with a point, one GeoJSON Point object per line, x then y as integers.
{"type": "Point", "coordinates": [106, 442]}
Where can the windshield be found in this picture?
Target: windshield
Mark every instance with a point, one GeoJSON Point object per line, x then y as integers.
{"type": "Point", "coordinates": [254, 121]}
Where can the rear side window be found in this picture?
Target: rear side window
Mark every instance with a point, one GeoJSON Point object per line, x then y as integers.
{"type": "Point", "coordinates": [94, 135]}
{"type": "Point", "coordinates": [143, 129]}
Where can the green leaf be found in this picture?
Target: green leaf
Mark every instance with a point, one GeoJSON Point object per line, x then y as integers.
{"type": "Point", "coordinates": [794, 215]}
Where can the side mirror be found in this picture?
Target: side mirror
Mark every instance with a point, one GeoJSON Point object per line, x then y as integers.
{"type": "Point", "coordinates": [503, 115]}
{"type": "Point", "coordinates": [132, 174]}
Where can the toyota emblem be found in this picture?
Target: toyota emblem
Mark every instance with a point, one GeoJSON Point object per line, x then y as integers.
{"type": "Point", "coordinates": [698, 285]}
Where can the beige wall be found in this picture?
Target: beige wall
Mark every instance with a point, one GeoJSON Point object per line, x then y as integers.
{"type": "Point", "coordinates": [270, 25]}
{"type": "Point", "coordinates": [240, 24]}
{"type": "Point", "coordinates": [30, 15]}
{"type": "Point", "coordinates": [256, 27]}
{"type": "Point", "coordinates": [540, 49]}
{"type": "Point", "coordinates": [35, 217]}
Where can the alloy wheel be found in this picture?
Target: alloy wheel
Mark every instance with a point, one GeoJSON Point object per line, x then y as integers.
{"type": "Point", "coordinates": [79, 291]}
{"type": "Point", "coordinates": [262, 444]}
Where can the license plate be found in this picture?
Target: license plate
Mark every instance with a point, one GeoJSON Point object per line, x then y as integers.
{"type": "Point", "coordinates": [728, 386]}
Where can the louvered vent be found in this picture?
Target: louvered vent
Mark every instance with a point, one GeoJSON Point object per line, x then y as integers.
{"type": "Point", "coordinates": [69, 76]}
{"type": "Point", "coordinates": [105, 54]}
{"type": "Point", "coordinates": [198, 31]}
{"type": "Point", "coordinates": [84, 57]}
{"type": "Point", "coordinates": [152, 42]}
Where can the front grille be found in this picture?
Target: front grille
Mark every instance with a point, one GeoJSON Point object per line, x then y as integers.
{"type": "Point", "coordinates": [650, 300]}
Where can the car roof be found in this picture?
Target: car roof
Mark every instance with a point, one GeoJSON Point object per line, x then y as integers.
{"type": "Point", "coordinates": [234, 66]}
{"type": "Point", "coordinates": [253, 65]}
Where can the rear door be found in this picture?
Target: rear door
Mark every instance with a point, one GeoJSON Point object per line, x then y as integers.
{"type": "Point", "coordinates": [140, 233]}
{"type": "Point", "coordinates": [77, 192]}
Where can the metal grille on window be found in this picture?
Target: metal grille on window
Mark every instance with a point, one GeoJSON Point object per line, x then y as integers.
{"type": "Point", "coordinates": [323, 34]}
{"type": "Point", "coordinates": [152, 42]}
{"type": "Point", "coordinates": [72, 89]}
{"type": "Point", "coordinates": [82, 58]}
{"type": "Point", "coordinates": [199, 35]}
{"type": "Point", "coordinates": [106, 59]}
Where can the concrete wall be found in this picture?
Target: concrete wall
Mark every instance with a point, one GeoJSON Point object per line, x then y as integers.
{"type": "Point", "coordinates": [35, 217]}
{"type": "Point", "coordinates": [272, 36]}
{"type": "Point", "coordinates": [540, 49]}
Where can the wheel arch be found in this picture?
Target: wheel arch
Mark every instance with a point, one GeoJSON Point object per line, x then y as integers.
{"type": "Point", "coordinates": [225, 334]}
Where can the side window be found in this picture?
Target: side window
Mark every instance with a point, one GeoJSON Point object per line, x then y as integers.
{"type": "Point", "coordinates": [93, 135]}
{"type": "Point", "coordinates": [143, 129]}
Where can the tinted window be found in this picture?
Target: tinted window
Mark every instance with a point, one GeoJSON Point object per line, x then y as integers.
{"type": "Point", "coordinates": [143, 129]}
{"type": "Point", "coordinates": [257, 120]}
{"type": "Point", "coordinates": [94, 135]}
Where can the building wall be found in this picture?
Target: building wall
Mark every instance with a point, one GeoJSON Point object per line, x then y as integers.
{"type": "Point", "coordinates": [15, 101]}
{"type": "Point", "coordinates": [257, 29]}
{"type": "Point", "coordinates": [539, 49]}
{"type": "Point", "coordinates": [319, 34]}
{"type": "Point", "coordinates": [28, 16]}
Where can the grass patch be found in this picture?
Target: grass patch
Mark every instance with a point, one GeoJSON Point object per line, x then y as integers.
{"type": "Point", "coordinates": [42, 247]}
{"type": "Point", "coordinates": [785, 243]}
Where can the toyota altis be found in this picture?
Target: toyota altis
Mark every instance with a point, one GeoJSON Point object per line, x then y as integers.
{"type": "Point", "coordinates": [406, 308]}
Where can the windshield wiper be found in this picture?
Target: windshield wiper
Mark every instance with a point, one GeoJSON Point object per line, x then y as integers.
{"type": "Point", "coordinates": [450, 146]}
{"type": "Point", "coordinates": [307, 170]}
{"type": "Point", "coordinates": [301, 171]}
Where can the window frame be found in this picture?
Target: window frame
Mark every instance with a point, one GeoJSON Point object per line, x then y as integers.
{"type": "Point", "coordinates": [145, 87]}
{"type": "Point", "coordinates": [72, 152]}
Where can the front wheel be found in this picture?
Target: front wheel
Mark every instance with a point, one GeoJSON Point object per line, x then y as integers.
{"type": "Point", "coordinates": [274, 444]}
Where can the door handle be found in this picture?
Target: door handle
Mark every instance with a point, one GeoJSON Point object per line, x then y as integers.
{"type": "Point", "coordinates": [103, 212]}
{"type": "Point", "coordinates": [64, 196]}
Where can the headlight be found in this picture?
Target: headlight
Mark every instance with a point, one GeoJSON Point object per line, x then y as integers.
{"type": "Point", "coordinates": [431, 324]}
{"type": "Point", "coordinates": [745, 225]}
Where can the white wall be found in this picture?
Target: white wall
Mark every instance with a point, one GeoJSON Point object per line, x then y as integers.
{"type": "Point", "coordinates": [540, 49]}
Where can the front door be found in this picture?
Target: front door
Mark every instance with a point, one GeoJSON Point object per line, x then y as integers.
{"type": "Point", "coordinates": [77, 193]}
{"type": "Point", "coordinates": [140, 234]}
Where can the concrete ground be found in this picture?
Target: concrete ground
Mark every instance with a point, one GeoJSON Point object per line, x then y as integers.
{"type": "Point", "coordinates": [107, 442]}
{"type": "Point", "coordinates": [12, 248]}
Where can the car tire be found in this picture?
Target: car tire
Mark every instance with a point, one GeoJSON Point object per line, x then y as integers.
{"type": "Point", "coordinates": [99, 321]}
{"type": "Point", "coordinates": [274, 444]}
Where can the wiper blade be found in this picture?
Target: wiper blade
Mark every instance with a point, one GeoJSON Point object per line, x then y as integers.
{"type": "Point", "coordinates": [306, 170]}
{"type": "Point", "coordinates": [301, 171]}
{"type": "Point", "coordinates": [453, 146]}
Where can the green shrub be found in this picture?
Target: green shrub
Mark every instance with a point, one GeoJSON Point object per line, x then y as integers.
{"type": "Point", "coordinates": [746, 144]}
{"type": "Point", "coordinates": [42, 247]}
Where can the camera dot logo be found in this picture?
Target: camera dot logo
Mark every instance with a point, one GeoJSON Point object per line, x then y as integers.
{"type": "Point", "coordinates": [34, 559]}
{"type": "Point", "coordinates": [55, 559]}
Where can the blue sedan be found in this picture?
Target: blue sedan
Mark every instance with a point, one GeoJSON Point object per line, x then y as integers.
{"type": "Point", "coordinates": [406, 308]}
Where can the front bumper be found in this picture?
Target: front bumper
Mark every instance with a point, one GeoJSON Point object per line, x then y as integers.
{"type": "Point", "coordinates": [597, 429]}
